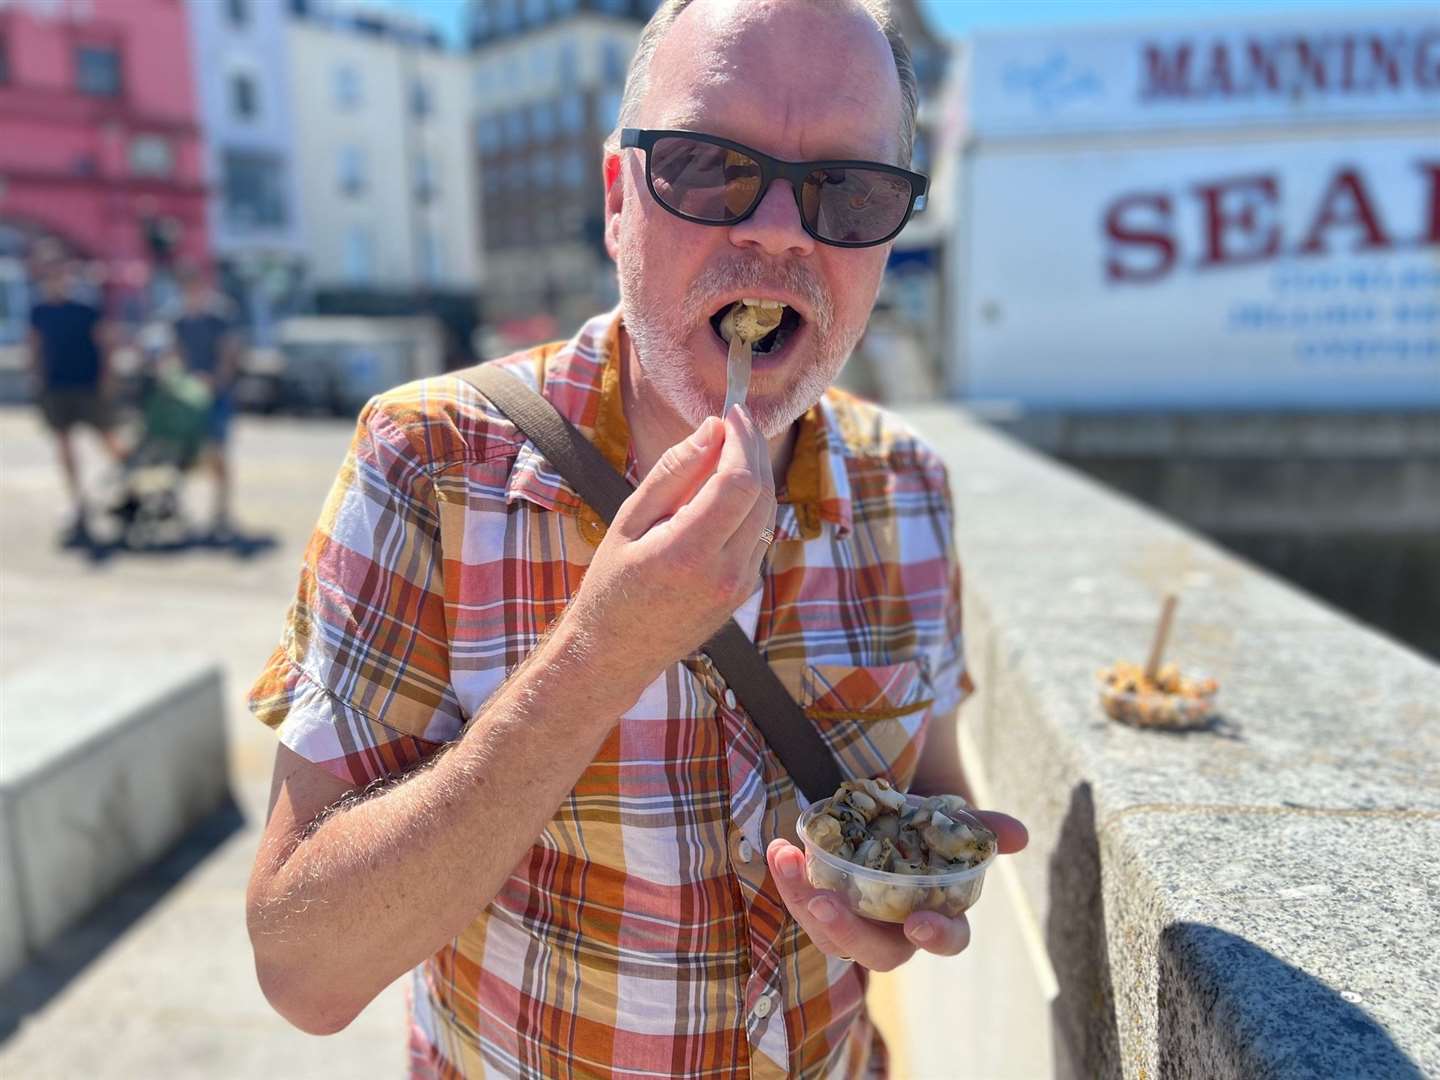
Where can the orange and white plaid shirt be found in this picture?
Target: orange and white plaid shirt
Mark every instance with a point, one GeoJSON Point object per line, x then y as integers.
{"type": "Point", "coordinates": [642, 936]}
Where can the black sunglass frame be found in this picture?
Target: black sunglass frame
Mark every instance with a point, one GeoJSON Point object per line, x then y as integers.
{"type": "Point", "coordinates": [772, 169]}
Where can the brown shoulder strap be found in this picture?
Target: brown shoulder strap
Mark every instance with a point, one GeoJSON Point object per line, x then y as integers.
{"type": "Point", "coordinates": [769, 705]}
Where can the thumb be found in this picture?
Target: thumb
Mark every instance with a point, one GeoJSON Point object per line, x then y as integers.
{"type": "Point", "coordinates": [676, 477]}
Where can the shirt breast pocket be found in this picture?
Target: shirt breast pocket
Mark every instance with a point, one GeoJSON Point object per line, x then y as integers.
{"type": "Point", "coordinates": [873, 718]}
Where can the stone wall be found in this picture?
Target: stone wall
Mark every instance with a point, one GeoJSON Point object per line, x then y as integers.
{"type": "Point", "coordinates": [1259, 899]}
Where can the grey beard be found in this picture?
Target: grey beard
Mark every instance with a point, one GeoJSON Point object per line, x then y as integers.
{"type": "Point", "coordinates": [670, 369]}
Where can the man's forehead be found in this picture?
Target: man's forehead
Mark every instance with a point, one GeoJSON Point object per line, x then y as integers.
{"type": "Point", "coordinates": [791, 77]}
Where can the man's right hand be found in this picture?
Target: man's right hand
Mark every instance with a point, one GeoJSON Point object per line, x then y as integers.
{"type": "Point", "coordinates": [682, 554]}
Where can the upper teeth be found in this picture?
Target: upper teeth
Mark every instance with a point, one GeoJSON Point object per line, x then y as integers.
{"type": "Point", "coordinates": [751, 320]}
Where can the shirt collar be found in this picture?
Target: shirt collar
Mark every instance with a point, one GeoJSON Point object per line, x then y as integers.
{"type": "Point", "coordinates": [581, 378]}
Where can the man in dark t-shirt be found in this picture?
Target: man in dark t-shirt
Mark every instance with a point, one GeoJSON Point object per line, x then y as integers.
{"type": "Point", "coordinates": [69, 363]}
{"type": "Point", "coordinates": [209, 346]}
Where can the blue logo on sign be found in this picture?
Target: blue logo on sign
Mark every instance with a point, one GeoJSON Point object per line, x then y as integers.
{"type": "Point", "coordinates": [1053, 83]}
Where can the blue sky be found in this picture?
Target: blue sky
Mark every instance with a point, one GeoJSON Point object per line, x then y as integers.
{"type": "Point", "coordinates": [957, 17]}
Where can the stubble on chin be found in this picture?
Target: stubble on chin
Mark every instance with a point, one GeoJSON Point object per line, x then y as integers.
{"type": "Point", "coordinates": [659, 332]}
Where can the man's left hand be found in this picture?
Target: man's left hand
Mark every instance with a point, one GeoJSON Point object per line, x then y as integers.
{"type": "Point", "coordinates": [837, 931]}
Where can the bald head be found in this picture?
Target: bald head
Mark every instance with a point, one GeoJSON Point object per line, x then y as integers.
{"type": "Point", "coordinates": [850, 50]}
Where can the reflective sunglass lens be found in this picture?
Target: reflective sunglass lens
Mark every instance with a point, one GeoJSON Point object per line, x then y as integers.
{"type": "Point", "coordinates": [855, 206]}
{"type": "Point", "coordinates": [702, 180]}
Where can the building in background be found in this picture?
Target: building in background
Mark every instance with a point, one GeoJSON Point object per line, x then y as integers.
{"type": "Point", "coordinates": [100, 147]}
{"type": "Point", "coordinates": [1240, 213]}
{"type": "Point", "coordinates": [242, 75]}
{"type": "Point", "coordinates": [383, 136]}
{"type": "Point", "coordinates": [546, 84]}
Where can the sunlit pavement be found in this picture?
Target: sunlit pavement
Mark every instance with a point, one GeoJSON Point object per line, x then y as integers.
{"type": "Point", "coordinates": [160, 982]}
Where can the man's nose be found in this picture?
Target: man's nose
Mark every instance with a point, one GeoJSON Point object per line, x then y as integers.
{"type": "Point", "coordinates": [775, 226]}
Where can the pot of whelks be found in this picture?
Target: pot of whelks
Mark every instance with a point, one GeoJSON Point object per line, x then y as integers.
{"type": "Point", "coordinates": [887, 853]}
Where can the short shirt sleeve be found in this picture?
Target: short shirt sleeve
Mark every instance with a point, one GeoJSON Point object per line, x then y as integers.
{"type": "Point", "coordinates": [360, 683]}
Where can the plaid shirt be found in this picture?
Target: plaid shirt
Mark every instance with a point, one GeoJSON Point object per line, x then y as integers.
{"type": "Point", "coordinates": [642, 936]}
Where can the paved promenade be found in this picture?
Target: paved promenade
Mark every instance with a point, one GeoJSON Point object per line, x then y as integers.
{"type": "Point", "coordinates": [160, 983]}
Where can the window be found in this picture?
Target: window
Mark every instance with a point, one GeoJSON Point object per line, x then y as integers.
{"type": "Point", "coordinates": [253, 189]}
{"type": "Point", "coordinates": [422, 102]}
{"type": "Point", "coordinates": [426, 187]}
{"type": "Point", "coordinates": [432, 256]}
{"type": "Point", "coordinates": [151, 155]}
{"type": "Point", "coordinates": [572, 169]}
{"type": "Point", "coordinates": [238, 11]}
{"type": "Point", "coordinates": [244, 97]}
{"type": "Point", "coordinates": [607, 109]}
{"type": "Point", "coordinates": [494, 180]}
{"type": "Point", "coordinates": [97, 70]}
{"type": "Point", "coordinates": [515, 134]}
{"type": "Point", "coordinates": [359, 254]}
{"type": "Point", "coordinates": [489, 135]}
{"type": "Point", "coordinates": [615, 7]}
{"type": "Point", "coordinates": [542, 121]}
{"type": "Point", "coordinates": [517, 176]}
{"type": "Point", "coordinates": [504, 15]}
{"type": "Point", "coordinates": [347, 88]}
{"type": "Point", "coordinates": [536, 11]}
{"type": "Point", "coordinates": [572, 114]}
{"type": "Point", "coordinates": [542, 170]}
{"type": "Point", "coordinates": [541, 63]}
{"type": "Point", "coordinates": [567, 59]}
{"type": "Point", "coordinates": [352, 170]}
{"type": "Point", "coordinates": [612, 62]}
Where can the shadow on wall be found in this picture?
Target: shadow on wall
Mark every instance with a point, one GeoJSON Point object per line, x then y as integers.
{"type": "Point", "coordinates": [1280, 1022]}
{"type": "Point", "coordinates": [1087, 1039]}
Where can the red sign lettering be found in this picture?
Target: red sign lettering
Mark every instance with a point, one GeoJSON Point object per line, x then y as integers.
{"type": "Point", "coordinates": [1131, 234]}
{"type": "Point", "coordinates": [1232, 211]}
{"type": "Point", "coordinates": [1240, 223]}
{"type": "Point", "coordinates": [1345, 203]}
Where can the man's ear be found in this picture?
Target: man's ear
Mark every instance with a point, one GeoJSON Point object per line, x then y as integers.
{"type": "Point", "coordinates": [614, 200]}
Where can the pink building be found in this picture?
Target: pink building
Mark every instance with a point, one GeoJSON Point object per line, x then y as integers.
{"type": "Point", "coordinates": [99, 141]}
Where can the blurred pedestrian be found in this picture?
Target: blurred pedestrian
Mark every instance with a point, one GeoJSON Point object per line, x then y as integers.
{"type": "Point", "coordinates": [69, 358]}
{"type": "Point", "coordinates": [209, 346]}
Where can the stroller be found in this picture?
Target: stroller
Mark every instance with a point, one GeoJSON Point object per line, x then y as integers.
{"type": "Point", "coordinates": [174, 414]}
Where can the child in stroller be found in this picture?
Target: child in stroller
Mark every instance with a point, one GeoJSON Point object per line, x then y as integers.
{"type": "Point", "coordinates": [174, 413]}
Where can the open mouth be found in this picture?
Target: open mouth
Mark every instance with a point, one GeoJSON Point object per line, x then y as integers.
{"type": "Point", "coordinates": [774, 341]}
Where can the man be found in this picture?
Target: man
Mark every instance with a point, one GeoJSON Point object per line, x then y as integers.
{"type": "Point", "coordinates": [588, 872]}
{"type": "Point", "coordinates": [209, 347]}
{"type": "Point", "coordinates": [69, 363]}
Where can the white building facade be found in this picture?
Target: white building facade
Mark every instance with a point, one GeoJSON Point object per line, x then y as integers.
{"type": "Point", "coordinates": [546, 86]}
{"type": "Point", "coordinates": [383, 145]}
{"type": "Point", "coordinates": [239, 55]}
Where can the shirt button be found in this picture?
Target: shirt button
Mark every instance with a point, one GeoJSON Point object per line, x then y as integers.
{"type": "Point", "coordinates": [763, 1006]}
{"type": "Point", "coordinates": [747, 851]}
{"type": "Point", "coordinates": [729, 698]}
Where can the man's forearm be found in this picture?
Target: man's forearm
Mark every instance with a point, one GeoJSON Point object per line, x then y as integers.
{"type": "Point", "coordinates": [385, 881]}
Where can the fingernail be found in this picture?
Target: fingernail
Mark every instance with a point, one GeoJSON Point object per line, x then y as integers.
{"type": "Point", "coordinates": [789, 868]}
{"type": "Point", "coordinates": [922, 933]}
{"type": "Point", "coordinates": [705, 433]}
{"type": "Point", "coordinates": [823, 909]}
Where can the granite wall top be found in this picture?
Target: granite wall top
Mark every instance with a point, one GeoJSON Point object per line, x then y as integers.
{"type": "Point", "coordinates": [1258, 899]}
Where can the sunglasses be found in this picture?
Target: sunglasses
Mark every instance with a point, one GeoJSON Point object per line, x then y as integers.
{"type": "Point", "coordinates": [713, 181]}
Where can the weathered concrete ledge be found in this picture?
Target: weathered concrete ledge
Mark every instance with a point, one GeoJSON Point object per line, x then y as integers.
{"type": "Point", "coordinates": [105, 763]}
{"type": "Point", "coordinates": [1258, 900]}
